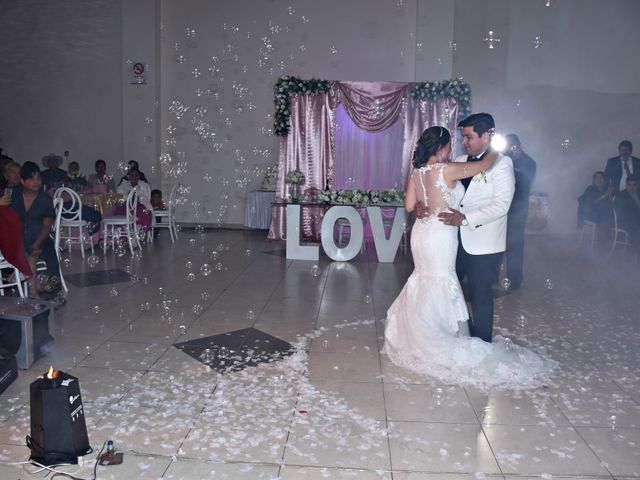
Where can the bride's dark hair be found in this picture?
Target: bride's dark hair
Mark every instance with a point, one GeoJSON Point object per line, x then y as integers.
{"type": "Point", "coordinates": [432, 139]}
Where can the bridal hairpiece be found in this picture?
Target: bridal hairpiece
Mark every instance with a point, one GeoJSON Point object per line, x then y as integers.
{"type": "Point", "coordinates": [440, 132]}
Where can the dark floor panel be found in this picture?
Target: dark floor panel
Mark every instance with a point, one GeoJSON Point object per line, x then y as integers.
{"type": "Point", "coordinates": [233, 351]}
{"type": "Point", "coordinates": [99, 277]}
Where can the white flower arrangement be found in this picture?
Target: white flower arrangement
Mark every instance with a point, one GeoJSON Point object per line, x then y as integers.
{"type": "Point", "coordinates": [480, 177]}
{"type": "Point", "coordinates": [295, 177]}
{"type": "Point", "coordinates": [361, 197]}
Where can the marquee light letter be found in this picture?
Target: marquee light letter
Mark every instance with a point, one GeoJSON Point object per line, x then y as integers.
{"type": "Point", "coordinates": [355, 237]}
{"type": "Point", "coordinates": [295, 251]}
{"type": "Point", "coordinates": [386, 248]}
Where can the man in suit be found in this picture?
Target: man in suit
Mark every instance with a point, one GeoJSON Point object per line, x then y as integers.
{"type": "Point", "coordinates": [627, 205]}
{"type": "Point", "coordinates": [482, 220]}
{"type": "Point", "coordinates": [620, 167]}
{"type": "Point", "coordinates": [524, 168]}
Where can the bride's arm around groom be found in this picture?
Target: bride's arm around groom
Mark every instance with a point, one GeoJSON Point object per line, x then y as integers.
{"type": "Point", "coordinates": [485, 206]}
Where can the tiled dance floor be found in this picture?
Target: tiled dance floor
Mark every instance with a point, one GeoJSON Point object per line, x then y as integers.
{"type": "Point", "coordinates": [334, 407]}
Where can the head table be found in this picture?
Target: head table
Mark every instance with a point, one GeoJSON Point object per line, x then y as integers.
{"type": "Point", "coordinates": [386, 248]}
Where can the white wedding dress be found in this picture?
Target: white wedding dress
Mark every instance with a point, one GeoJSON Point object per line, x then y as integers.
{"type": "Point", "coordinates": [426, 329]}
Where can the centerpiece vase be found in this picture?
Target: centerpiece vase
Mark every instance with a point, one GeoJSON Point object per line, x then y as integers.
{"type": "Point", "coordinates": [294, 191]}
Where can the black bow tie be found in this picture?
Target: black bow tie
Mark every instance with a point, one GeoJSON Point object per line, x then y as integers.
{"type": "Point", "coordinates": [472, 159]}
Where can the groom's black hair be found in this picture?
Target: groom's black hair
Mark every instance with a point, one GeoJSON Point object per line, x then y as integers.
{"type": "Point", "coordinates": [481, 123]}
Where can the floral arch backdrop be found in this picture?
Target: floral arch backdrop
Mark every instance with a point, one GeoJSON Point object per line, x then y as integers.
{"type": "Point", "coordinates": [306, 115]}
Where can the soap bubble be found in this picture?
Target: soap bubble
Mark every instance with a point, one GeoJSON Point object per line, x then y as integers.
{"type": "Point", "coordinates": [197, 309]}
{"type": "Point", "coordinates": [549, 284]}
{"type": "Point", "coordinates": [113, 292]}
{"type": "Point", "coordinates": [205, 269]}
{"type": "Point", "coordinates": [438, 395]}
{"type": "Point", "coordinates": [315, 270]}
{"type": "Point", "coordinates": [204, 295]}
{"type": "Point", "coordinates": [183, 330]}
{"type": "Point", "coordinates": [189, 265]}
{"type": "Point", "coordinates": [522, 321]}
{"type": "Point", "coordinates": [506, 284]}
{"type": "Point", "coordinates": [251, 315]}
{"type": "Point", "coordinates": [96, 309]}
{"type": "Point", "coordinates": [191, 277]}
{"type": "Point", "coordinates": [54, 282]}
{"type": "Point", "coordinates": [247, 253]}
{"type": "Point", "coordinates": [66, 262]}
{"type": "Point", "coordinates": [192, 242]}
{"type": "Point", "coordinates": [219, 266]}
{"type": "Point", "coordinates": [367, 299]}
{"type": "Point", "coordinates": [214, 255]}
{"type": "Point", "coordinates": [92, 261]}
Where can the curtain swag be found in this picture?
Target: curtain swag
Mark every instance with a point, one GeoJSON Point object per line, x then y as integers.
{"type": "Point", "coordinates": [386, 104]}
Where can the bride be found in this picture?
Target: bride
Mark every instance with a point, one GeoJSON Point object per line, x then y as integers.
{"type": "Point", "coordinates": [426, 329]}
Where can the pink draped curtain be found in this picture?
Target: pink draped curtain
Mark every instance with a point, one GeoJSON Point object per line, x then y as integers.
{"type": "Point", "coordinates": [311, 145]}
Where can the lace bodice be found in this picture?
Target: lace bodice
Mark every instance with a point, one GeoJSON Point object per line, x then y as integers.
{"type": "Point", "coordinates": [432, 190]}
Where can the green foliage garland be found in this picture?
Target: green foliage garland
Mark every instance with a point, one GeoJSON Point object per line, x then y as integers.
{"type": "Point", "coordinates": [446, 88]}
{"type": "Point", "coordinates": [285, 86]}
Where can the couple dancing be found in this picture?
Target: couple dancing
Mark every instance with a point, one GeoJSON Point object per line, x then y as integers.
{"type": "Point", "coordinates": [426, 329]}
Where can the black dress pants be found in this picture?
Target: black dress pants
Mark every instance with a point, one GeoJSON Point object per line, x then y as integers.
{"type": "Point", "coordinates": [515, 247]}
{"type": "Point", "coordinates": [480, 270]}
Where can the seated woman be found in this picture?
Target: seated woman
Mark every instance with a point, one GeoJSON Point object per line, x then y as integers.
{"type": "Point", "coordinates": [36, 212]}
{"type": "Point", "coordinates": [11, 242]}
{"type": "Point", "coordinates": [133, 165]}
{"type": "Point", "coordinates": [100, 182]}
{"type": "Point", "coordinates": [76, 180]}
{"type": "Point", "coordinates": [144, 215]}
{"type": "Point", "coordinates": [11, 175]}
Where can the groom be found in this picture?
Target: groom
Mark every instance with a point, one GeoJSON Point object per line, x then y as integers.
{"type": "Point", "coordinates": [482, 220]}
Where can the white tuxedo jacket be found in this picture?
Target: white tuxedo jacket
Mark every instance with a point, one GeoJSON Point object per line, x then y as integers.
{"type": "Point", "coordinates": [485, 205]}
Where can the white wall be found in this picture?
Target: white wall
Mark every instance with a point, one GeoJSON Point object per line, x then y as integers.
{"type": "Point", "coordinates": [65, 80]}
{"type": "Point", "coordinates": [60, 79]}
{"type": "Point", "coordinates": [579, 85]}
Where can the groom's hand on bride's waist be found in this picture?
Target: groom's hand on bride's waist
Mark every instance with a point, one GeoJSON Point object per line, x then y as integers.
{"type": "Point", "coordinates": [422, 210]}
{"type": "Point", "coordinates": [453, 217]}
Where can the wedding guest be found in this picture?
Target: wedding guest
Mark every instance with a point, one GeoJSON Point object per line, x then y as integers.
{"type": "Point", "coordinates": [627, 205]}
{"type": "Point", "coordinates": [11, 175]}
{"type": "Point", "coordinates": [11, 242]}
{"type": "Point", "coordinates": [76, 180]}
{"type": "Point", "coordinates": [525, 170]}
{"type": "Point", "coordinates": [158, 204]}
{"type": "Point", "coordinates": [619, 168]}
{"type": "Point", "coordinates": [133, 165]}
{"type": "Point", "coordinates": [96, 180]}
{"type": "Point", "coordinates": [144, 210]}
{"type": "Point", "coordinates": [156, 200]}
{"type": "Point", "coordinates": [53, 177]}
{"type": "Point", "coordinates": [36, 212]}
{"type": "Point", "coordinates": [4, 161]}
{"type": "Point", "coordinates": [596, 205]}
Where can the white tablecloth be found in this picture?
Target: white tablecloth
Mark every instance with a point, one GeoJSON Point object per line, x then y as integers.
{"type": "Point", "coordinates": [257, 210]}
